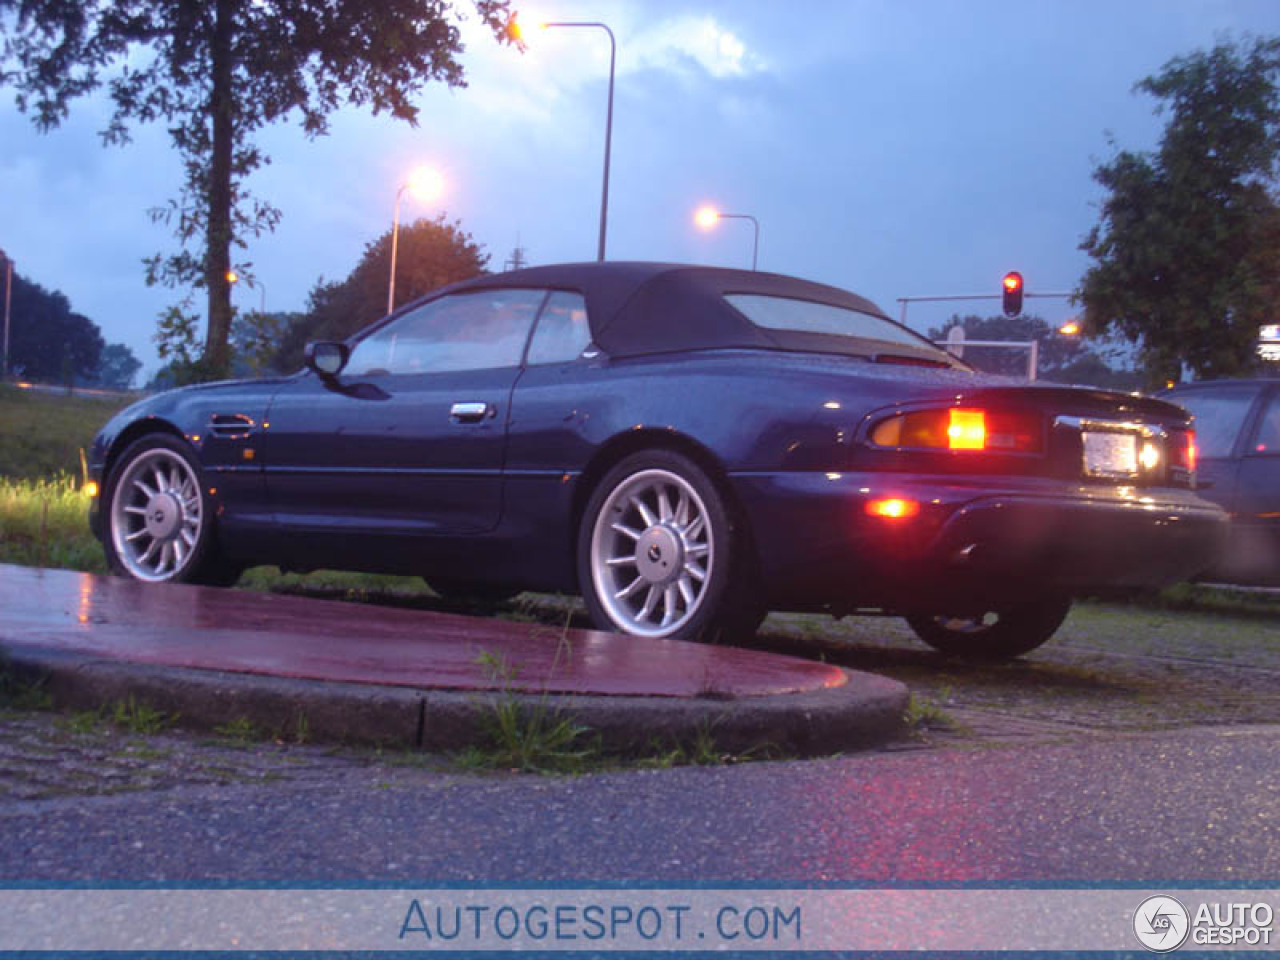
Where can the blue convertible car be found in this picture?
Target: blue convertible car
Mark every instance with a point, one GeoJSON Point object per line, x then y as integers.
{"type": "Point", "coordinates": [686, 447]}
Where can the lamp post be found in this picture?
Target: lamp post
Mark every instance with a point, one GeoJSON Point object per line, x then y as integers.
{"type": "Point", "coordinates": [8, 296]}
{"type": "Point", "coordinates": [708, 217]}
{"type": "Point", "coordinates": [425, 184]}
{"type": "Point", "coordinates": [608, 123]}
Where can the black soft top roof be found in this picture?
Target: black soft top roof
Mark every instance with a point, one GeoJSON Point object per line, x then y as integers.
{"type": "Point", "coordinates": [638, 308]}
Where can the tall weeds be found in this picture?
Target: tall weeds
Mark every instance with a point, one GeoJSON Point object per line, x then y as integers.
{"type": "Point", "coordinates": [45, 523]}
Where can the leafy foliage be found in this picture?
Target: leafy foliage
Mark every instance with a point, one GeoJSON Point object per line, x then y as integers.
{"type": "Point", "coordinates": [214, 73]}
{"type": "Point", "coordinates": [177, 342]}
{"type": "Point", "coordinates": [430, 254]}
{"type": "Point", "coordinates": [118, 368]}
{"type": "Point", "coordinates": [1187, 249]}
{"type": "Point", "coordinates": [255, 341]}
{"type": "Point", "coordinates": [47, 339]}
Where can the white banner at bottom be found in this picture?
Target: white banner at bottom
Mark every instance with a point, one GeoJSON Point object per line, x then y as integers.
{"type": "Point", "coordinates": [602, 920]}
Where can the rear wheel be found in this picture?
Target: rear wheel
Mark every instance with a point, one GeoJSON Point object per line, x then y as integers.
{"type": "Point", "coordinates": [160, 526]}
{"type": "Point", "coordinates": [1002, 633]}
{"type": "Point", "coordinates": [659, 554]}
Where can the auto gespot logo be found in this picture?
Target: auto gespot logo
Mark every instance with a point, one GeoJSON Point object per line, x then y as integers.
{"type": "Point", "coordinates": [1162, 924]}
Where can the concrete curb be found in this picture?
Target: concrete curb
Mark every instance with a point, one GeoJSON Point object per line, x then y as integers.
{"type": "Point", "coordinates": [866, 711]}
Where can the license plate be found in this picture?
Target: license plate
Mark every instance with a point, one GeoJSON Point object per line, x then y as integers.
{"type": "Point", "coordinates": [1110, 454]}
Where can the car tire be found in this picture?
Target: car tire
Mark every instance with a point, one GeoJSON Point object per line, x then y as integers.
{"type": "Point", "coordinates": [660, 554]}
{"type": "Point", "coordinates": [159, 518]}
{"type": "Point", "coordinates": [1003, 633]}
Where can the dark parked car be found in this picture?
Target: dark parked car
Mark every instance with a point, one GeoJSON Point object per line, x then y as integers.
{"type": "Point", "coordinates": [1238, 429]}
{"type": "Point", "coordinates": [687, 447]}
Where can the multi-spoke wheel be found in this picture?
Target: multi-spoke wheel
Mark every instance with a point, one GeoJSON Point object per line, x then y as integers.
{"type": "Point", "coordinates": [159, 523]}
{"type": "Point", "coordinates": [1003, 633]}
{"type": "Point", "coordinates": [656, 549]}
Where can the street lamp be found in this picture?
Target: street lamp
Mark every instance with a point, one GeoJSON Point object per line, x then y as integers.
{"type": "Point", "coordinates": [8, 295]}
{"type": "Point", "coordinates": [425, 184]}
{"type": "Point", "coordinates": [708, 217]}
{"type": "Point", "coordinates": [608, 123]}
{"type": "Point", "coordinates": [233, 278]}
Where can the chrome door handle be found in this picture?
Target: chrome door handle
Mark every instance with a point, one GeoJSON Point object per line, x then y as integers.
{"type": "Point", "coordinates": [471, 412]}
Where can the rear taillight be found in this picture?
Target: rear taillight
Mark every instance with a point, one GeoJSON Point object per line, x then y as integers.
{"type": "Point", "coordinates": [892, 508]}
{"type": "Point", "coordinates": [1182, 450]}
{"type": "Point", "coordinates": [960, 429]}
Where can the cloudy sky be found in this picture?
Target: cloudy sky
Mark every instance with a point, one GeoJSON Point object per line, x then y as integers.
{"type": "Point", "coordinates": [892, 147]}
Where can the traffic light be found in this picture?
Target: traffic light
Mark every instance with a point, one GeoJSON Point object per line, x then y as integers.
{"type": "Point", "coordinates": [1012, 293]}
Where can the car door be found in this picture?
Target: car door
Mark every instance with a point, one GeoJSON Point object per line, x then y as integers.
{"type": "Point", "coordinates": [409, 439]}
{"type": "Point", "coordinates": [1257, 503]}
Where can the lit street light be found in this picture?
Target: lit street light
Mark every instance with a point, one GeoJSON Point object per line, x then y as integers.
{"type": "Point", "coordinates": [8, 295]}
{"type": "Point", "coordinates": [519, 34]}
{"type": "Point", "coordinates": [233, 278]}
{"type": "Point", "coordinates": [1070, 329]}
{"type": "Point", "coordinates": [425, 184]}
{"type": "Point", "coordinates": [708, 217]}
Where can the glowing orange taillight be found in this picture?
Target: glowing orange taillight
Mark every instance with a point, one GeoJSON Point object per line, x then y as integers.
{"type": "Point", "coordinates": [893, 508]}
{"type": "Point", "coordinates": [1192, 450]}
{"type": "Point", "coordinates": [962, 429]}
{"type": "Point", "coordinates": [967, 430]}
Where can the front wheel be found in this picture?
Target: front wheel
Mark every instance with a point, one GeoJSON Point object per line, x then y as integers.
{"type": "Point", "coordinates": [660, 556]}
{"type": "Point", "coordinates": [1005, 632]}
{"type": "Point", "coordinates": [159, 517]}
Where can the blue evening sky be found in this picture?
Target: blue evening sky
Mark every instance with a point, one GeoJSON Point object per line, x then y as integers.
{"type": "Point", "coordinates": [892, 147]}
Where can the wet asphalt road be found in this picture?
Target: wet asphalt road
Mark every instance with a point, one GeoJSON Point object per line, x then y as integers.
{"type": "Point", "coordinates": [1199, 805]}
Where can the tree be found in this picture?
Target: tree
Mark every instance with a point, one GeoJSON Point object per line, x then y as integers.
{"type": "Point", "coordinates": [430, 254]}
{"type": "Point", "coordinates": [48, 340]}
{"type": "Point", "coordinates": [216, 72]}
{"type": "Point", "coordinates": [256, 339]}
{"type": "Point", "coordinates": [118, 368]}
{"type": "Point", "coordinates": [1187, 248]}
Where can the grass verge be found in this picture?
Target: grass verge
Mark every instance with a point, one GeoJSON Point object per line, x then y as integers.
{"type": "Point", "coordinates": [42, 434]}
{"type": "Point", "coordinates": [44, 523]}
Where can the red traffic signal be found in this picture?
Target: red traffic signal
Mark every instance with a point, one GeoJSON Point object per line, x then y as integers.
{"type": "Point", "coordinates": [1012, 287]}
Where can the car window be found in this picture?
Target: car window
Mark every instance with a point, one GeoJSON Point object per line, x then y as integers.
{"type": "Point", "coordinates": [808, 316]}
{"type": "Point", "coordinates": [1269, 430]}
{"type": "Point", "coordinates": [465, 331]}
{"type": "Point", "coordinates": [1219, 416]}
{"type": "Point", "coordinates": [562, 332]}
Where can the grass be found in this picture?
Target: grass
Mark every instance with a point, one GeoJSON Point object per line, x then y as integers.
{"type": "Point", "coordinates": [42, 434]}
{"type": "Point", "coordinates": [241, 731]}
{"type": "Point", "coordinates": [135, 716]}
{"type": "Point", "coordinates": [44, 523]}
{"type": "Point", "coordinates": [926, 713]}
{"type": "Point", "coordinates": [18, 692]}
{"type": "Point", "coordinates": [528, 737]}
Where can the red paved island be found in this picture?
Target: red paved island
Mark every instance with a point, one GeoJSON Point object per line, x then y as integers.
{"type": "Point", "coordinates": [257, 633]}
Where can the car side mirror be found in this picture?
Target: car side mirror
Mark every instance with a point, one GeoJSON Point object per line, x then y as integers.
{"type": "Point", "coordinates": [326, 357]}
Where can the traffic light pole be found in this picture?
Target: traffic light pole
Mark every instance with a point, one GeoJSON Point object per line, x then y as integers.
{"type": "Point", "coordinates": [976, 296]}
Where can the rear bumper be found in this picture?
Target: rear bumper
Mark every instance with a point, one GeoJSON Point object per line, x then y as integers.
{"type": "Point", "coordinates": [974, 540]}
